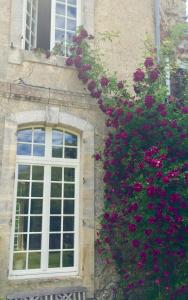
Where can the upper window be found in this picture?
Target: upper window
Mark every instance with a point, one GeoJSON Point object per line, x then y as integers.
{"type": "Point", "coordinates": [45, 221]}
{"type": "Point", "coordinates": [50, 23]}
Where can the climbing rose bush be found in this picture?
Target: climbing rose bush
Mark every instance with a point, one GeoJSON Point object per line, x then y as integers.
{"type": "Point", "coordinates": [144, 225]}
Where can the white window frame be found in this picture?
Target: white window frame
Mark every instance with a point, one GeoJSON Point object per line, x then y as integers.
{"type": "Point", "coordinates": [48, 161]}
{"type": "Point", "coordinates": [24, 25]}
{"type": "Point", "coordinates": [53, 20]}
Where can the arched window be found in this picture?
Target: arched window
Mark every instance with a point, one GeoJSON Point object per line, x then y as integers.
{"type": "Point", "coordinates": [46, 213]}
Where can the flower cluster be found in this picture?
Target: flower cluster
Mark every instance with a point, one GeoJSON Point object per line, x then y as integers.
{"type": "Point", "coordinates": [144, 225]}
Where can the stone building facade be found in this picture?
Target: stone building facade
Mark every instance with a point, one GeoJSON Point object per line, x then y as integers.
{"type": "Point", "coordinates": [43, 94]}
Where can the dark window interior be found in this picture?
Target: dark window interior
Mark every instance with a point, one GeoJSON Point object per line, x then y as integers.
{"type": "Point", "coordinates": [44, 24]}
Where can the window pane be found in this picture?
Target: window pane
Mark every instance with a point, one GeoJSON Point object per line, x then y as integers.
{"type": "Point", "coordinates": [23, 149]}
{"type": "Point", "coordinates": [20, 242]}
{"type": "Point", "coordinates": [22, 206]}
{"type": "Point", "coordinates": [54, 241]}
{"type": "Point", "coordinates": [21, 224]}
{"type": "Point", "coordinates": [60, 22]}
{"type": "Point", "coordinates": [54, 260]}
{"type": "Point", "coordinates": [68, 259]}
{"type": "Point", "coordinates": [24, 135]}
{"type": "Point", "coordinates": [35, 224]}
{"type": "Point", "coordinates": [60, 9]}
{"type": "Point", "coordinates": [68, 241]}
{"type": "Point", "coordinates": [70, 36]}
{"type": "Point", "coordinates": [37, 189]}
{"type": "Point", "coordinates": [56, 189]}
{"type": "Point", "coordinates": [70, 139]}
{"type": "Point", "coordinates": [71, 25]}
{"type": "Point", "coordinates": [19, 261]}
{"type": "Point", "coordinates": [72, 2]}
{"type": "Point", "coordinates": [38, 150]}
{"type": "Point", "coordinates": [68, 224]}
{"type": "Point", "coordinates": [34, 241]}
{"type": "Point", "coordinates": [71, 12]}
{"type": "Point", "coordinates": [55, 223]}
{"type": "Point", "coordinates": [28, 20]}
{"type": "Point", "coordinates": [23, 172]}
{"type": "Point", "coordinates": [57, 152]}
{"type": "Point", "coordinates": [34, 260]}
{"type": "Point", "coordinates": [59, 35]}
{"type": "Point", "coordinates": [69, 174]}
{"type": "Point", "coordinates": [68, 190]}
{"type": "Point", "coordinates": [23, 189]}
{"type": "Point", "coordinates": [28, 5]}
{"type": "Point", "coordinates": [57, 137]}
{"type": "Point", "coordinates": [56, 174]}
{"type": "Point", "coordinates": [55, 207]}
{"type": "Point", "coordinates": [37, 172]}
{"type": "Point", "coordinates": [39, 135]}
{"type": "Point", "coordinates": [68, 207]}
{"type": "Point", "coordinates": [70, 153]}
{"type": "Point", "coordinates": [36, 206]}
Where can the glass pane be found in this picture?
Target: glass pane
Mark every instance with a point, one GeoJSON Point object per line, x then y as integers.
{"type": "Point", "coordinates": [59, 36]}
{"type": "Point", "coordinates": [56, 189]}
{"type": "Point", "coordinates": [54, 260]}
{"type": "Point", "coordinates": [24, 135]}
{"type": "Point", "coordinates": [69, 174]}
{"type": "Point", "coordinates": [71, 25]}
{"type": "Point", "coordinates": [21, 224]}
{"type": "Point", "coordinates": [68, 241]}
{"type": "Point", "coordinates": [71, 12]}
{"type": "Point", "coordinates": [28, 19]}
{"type": "Point", "coordinates": [34, 260]}
{"type": "Point", "coordinates": [37, 173]}
{"type": "Point", "coordinates": [35, 224]}
{"type": "Point", "coordinates": [39, 135]}
{"type": "Point", "coordinates": [23, 172]}
{"type": "Point", "coordinates": [70, 36]}
{"type": "Point", "coordinates": [36, 206]}
{"type": "Point", "coordinates": [38, 150]}
{"type": "Point", "coordinates": [26, 48]}
{"type": "Point", "coordinates": [27, 33]}
{"type": "Point", "coordinates": [72, 2]}
{"type": "Point", "coordinates": [19, 261]}
{"type": "Point", "coordinates": [33, 13]}
{"type": "Point", "coordinates": [70, 153]}
{"type": "Point", "coordinates": [68, 190]}
{"type": "Point", "coordinates": [37, 189]}
{"type": "Point", "coordinates": [23, 189]}
{"type": "Point", "coordinates": [60, 9]}
{"type": "Point", "coordinates": [68, 207]}
{"type": "Point", "coordinates": [28, 5]}
{"type": "Point", "coordinates": [57, 151]}
{"type": "Point", "coordinates": [70, 139]}
{"type": "Point", "coordinates": [60, 22]}
{"type": "Point", "coordinates": [55, 223]}
{"type": "Point", "coordinates": [20, 242]}
{"type": "Point", "coordinates": [55, 207]}
{"type": "Point", "coordinates": [68, 224]}
{"type": "Point", "coordinates": [23, 149]}
{"type": "Point", "coordinates": [32, 44]}
{"type": "Point", "coordinates": [56, 174]}
{"type": "Point", "coordinates": [33, 27]}
{"type": "Point", "coordinates": [68, 259]}
{"type": "Point", "coordinates": [54, 241]}
{"type": "Point", "coordinates": [22, 206]}
{"type": "Point", "coordinates": [34, 241]}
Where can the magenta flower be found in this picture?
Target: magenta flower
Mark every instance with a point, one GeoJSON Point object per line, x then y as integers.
{"type": "Point", "coordinates": [69, 61]}
{"type": "Point", "coordinates": [153, 75]}
{"type": "Point", "coordinates": [104, 81]}
{"type": "Point", "coordinates": [132, 227]}
{"type": "Point", "coordinates": [149, 101]}
{"type": "Point", "coordinates": [138, 218]}
{"type": "Point", "coordinates": [97, 156]}
{"type": "Point", "coordinates": [137, 187]}
{"type": "Point", "coordinates": [151, 220]}
{"type": "Point", "coordinates": [135, 243]}
{"type": "Point", "coordinates": [138, 75]}
{"type": "Point", "coordinates": [148, 62]}
{"type": "Point", "coordinates": [78, 61]}
{"type": "Point", "coordinates": [148, 232]}
{"type": "Point", "coordinates": [184, 110]}
{"type": "Point", "coordinates": [79, 51]}
{"type": "Point", "coordinates": [151, 190]}
{"type": "Point", "coordinates": [165, 179]}
{"type": "Point", "coordinates": [91, 85]}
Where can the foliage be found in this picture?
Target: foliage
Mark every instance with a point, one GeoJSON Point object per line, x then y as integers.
{"type": "Point", "coordinates": [144, 225]}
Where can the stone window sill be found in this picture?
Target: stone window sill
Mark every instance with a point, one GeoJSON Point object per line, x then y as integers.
{"type": "Point", "coordinates": [19, 56]}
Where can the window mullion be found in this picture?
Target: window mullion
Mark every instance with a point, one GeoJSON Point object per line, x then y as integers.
{"type": "Point", "coordinates": [46, 213]}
